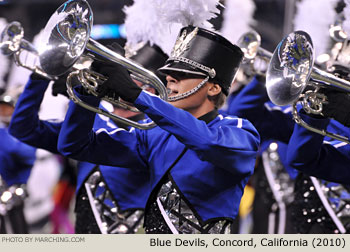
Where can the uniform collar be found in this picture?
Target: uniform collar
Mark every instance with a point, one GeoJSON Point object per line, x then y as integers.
{"type": "Point", "coordinates": [208, 117]}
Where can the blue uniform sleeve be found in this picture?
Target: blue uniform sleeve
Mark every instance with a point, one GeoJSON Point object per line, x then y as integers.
{"type": "Point", "coordinates": [309, 153]}
{"type": "Point", "coordinates": [16, 159]}
{"type": "Point", "coordinates": [213, 144]}
{"type": "Point", "coordinates": [252, 103]}
{"type": "Point", "coordinates": [102, 146]}
{"type": "Point", "coordinates": [219, 145]}
{"type": "Point", "coordinates": [25, 124]}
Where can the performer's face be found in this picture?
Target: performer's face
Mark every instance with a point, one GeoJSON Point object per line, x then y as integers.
{"type": "Point", "coordinates": [179, 84]}
{"type": "Point", "coordinates": [6, 111]}
{"type": "Point", "coordinates": [145, 87]}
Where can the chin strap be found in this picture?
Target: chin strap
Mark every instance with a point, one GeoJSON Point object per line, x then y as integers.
{"type": "Point", "coordinates": [188, 93]}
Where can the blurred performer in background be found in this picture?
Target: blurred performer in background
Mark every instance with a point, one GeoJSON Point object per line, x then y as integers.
{"type": "Point", "coordinates": [16, 162]}
{"type": "Point", "coordinates": [274, 176]}
{"type": "Point", "coordinates": [272, 183]}
{"type": "Point", "coordinates": [274, 125]}
{"type": "Point", "coordinates": [203, 197]}
{"type": "Point", "coordinates": [325, 158]}
{"type": "Point", "coordinates": [248, 99]}
{"type": "Point", "coordinates": [39, 203]}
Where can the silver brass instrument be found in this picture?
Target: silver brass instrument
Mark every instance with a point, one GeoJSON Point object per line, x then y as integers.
{"type": "Point", "coordinates": [13, 44]}
{"type": "Point", "coordinates": [256, 58]}
{"type": "Point", "coordinates": [67, 39]}
{"type": "Point", "coordinates": [291, 69]}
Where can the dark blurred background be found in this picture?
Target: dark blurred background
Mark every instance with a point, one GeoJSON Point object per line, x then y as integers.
{"type": "Point", "coordinates": [273, 16]}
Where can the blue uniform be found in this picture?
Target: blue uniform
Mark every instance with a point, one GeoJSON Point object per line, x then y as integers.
{"type": "Point", "coordinates": [16, 159]}
{"type": "Point", "coordinates": [320, 156]}
{"type": "Point", "coordinates": [129, 187]}
{"type": "Point", "coordinates": [327, 160]}
{"type": "Point", "coordinates": [274, 123]}
{"type": "Point", "coordinates": [271, 121]}
{"type": "Point", "coordinates": [211, 174]}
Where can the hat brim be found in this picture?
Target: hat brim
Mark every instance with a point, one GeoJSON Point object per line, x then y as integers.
{"type": "Point", "coordinates": [180, 67]}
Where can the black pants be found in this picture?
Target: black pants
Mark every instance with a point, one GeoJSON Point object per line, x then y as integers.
{"type": "Point", "coordinates": [85, 222]}
{"type": "Point", "coordinates": [307, 210]}
{"type": "Point", "coordinates": [263, 204]}
{"type": "Point", "coordinates": [16, 220]}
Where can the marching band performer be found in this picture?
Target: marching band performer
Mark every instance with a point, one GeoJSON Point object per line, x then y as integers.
{"type": "Point", "coordinates": [303, 184]}
{"type": "Point", "coordinates": [275, 125]}
{"type": "Point", "coordinates": [312, 153]}
{"type": "Point", "coordinates": [199, 160]}
{"type": "Point", "coordinates": [126, 189]}
{"type": "Point", "coordinates": [120, 193]}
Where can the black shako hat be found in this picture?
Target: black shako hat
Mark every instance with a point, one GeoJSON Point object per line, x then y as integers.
{"type": "Point", "coordinates": [203, 52]}
{"type": "Point", "coordinates": [149, 57]}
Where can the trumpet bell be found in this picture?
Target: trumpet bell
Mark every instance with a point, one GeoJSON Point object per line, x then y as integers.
{"type": "Point", "coordinates": [256, 58]}
{"type": "Point", "coordinates": [13, 44]}
{"type": "Point", "coordinates": [249, 43]}
{"type": "Point", "coordinates": [67, 40]}
{"type": "Point", "coordinates": [65, 37]}
{"type": "Point", "coordinates": [11, 40]}
{"type": "Point", "coordinates": [290, 68]}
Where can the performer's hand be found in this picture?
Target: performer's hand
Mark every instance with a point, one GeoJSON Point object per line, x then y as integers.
{"type": "Point", "coordinates": [59, 86]}
{"type": "Point", "coordinates": [337, 106]}
{"type": "Point", "coordinates": [97, 64]}
{"type": "Point", "coordinates": [119, 83]}
{"type": "Point", "coordinates": [35, 76]}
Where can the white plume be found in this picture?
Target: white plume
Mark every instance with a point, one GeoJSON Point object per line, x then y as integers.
{"type": "Point", "coordinates": [168, 40]}
{"type": "Point", "coordinates": [175, 14]}
{"type": "Point", "coordinates": [315, 17]}
{"type": "Point", "coordinates": [159, 21]}
{"type": "Point", "coordinates": [141, 23]}
{"type": "Point", "coordinates": [4, 60]}
{"type": "Point", "coordinates": [238, 17]}
{"type": "Point", "coordinates": [188, 12]}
